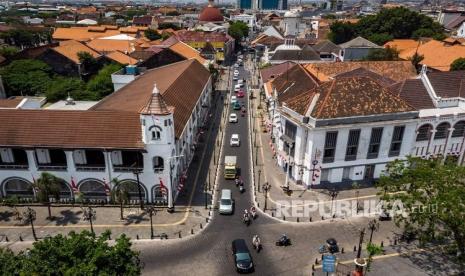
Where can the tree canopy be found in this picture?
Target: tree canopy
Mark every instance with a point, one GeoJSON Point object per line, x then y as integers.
{"type": "Point", "coordinates": [238, 30]}
{"type": "Point", "coordinates": [75, 254]}
{"type": "Point", "coordinates": [432, 194]}
{"type": "Point", "coordinates": [101, 85]}
{"type": "Point", "coordinates": [152, 34]}
{"type": "Point", "coordinates": [387, 53]}
{"type": "Point", "coordinates": [458, 64]}
{"type": "Point", "coordinates": [26, 77]}
{"type": "Point", "coordinates": [388, 24]}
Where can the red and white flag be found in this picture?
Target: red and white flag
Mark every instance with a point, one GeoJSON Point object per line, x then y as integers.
{"type": "Point", "coordinates": [107, 187]}
{"type": "Point", "coordinates": [164, 190]}
{"type": "Point", "coordinates": [73, 185]}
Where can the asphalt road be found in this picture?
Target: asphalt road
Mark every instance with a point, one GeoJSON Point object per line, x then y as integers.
{"type": "Point", "coordinates": [209, 253]}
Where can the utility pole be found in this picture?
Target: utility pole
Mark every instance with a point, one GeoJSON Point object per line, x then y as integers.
{"type": "Point", "coordinates": [266, 188]}
{"type": "Point", "coordinates": [362, 233]}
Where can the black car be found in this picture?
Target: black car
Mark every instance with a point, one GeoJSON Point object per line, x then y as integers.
{"type": "Point", "coordinates": [332, 245]}
{"type": "Point", "coordinates": [242, 257]}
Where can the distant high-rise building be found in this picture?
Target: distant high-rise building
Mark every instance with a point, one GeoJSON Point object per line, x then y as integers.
{"type": "Point", "coordinates": [272, 4]}
{"type": "Point", "coordinates": [244, 4]}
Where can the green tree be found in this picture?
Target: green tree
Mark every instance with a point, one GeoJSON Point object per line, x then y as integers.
{"type": "Point", "coordinates": [101, 85]}
{"type": "Point", "coordinates": [60, 87]}
{"type": "Point", "coordinates": [26, 77]}
{"type": "Point", "coordinates": [8, 51]}
{"type": "Point", "coordinates": [173, 13]}
{"type": "Point", "coordinates": [120, 195]}
{"type": "Point", "coordinates": [168, 25]}
{"type": "Point", "coordinates": [416, 59]}
{"type": "Point", "coordinates": [387, 53]}
{"type": "Point", "coordinates": [88, 62]}
{"type": "Point", "coordinates": [431, 192]}
{"type": "Point", "coordinates": [388, 23]}
{"type": "Point", "coordinates": [372, 250]}
{"type": "Point", "coordinates": [9, 263]}
{"type": "Point", "coordinates": [152, 34]}
{"type": "Point", "coordinates": [47, 186]}
{"type": "Point", "coordinates": [341, 32]}
{"type": "Point", "coordinates": [458, 64]}
{"type": "Point", "coordinates": [238, 30]}
{"type": "Point", "coordinates": [75, 254]}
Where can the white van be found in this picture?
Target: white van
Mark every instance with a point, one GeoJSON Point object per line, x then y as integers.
{"type": "Point", "coordinates": [226, 202]}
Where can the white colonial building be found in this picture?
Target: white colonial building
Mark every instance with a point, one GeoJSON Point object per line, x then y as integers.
{"type": "Point", "coordinates": [349, 127]}
{"type": "Point", "coordinates": [145, 133]}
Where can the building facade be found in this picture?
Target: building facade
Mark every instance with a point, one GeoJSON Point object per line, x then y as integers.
{"type": "Point", "coordinates": [144, 136]}
{"type": "Point", "coordinates": [348, 128]}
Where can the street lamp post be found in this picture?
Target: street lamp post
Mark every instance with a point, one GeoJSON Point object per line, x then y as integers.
{"type": "Point", "coordinates": [151, 211]}
{"type": "Point", "coordinates": [362, 233]}
{"type": "Point", "coordinates": [373, 225]}
{"type": "Point", "coordinates": [89, 214]}
{"type": "Point", "coordinates": [259, 173]}
{"type": "Point", "coordinates": [266, 188]}
{"type": "Point", "coordinates": [136, 172]}
{"type": "Point", "coordinates": [30, 215]}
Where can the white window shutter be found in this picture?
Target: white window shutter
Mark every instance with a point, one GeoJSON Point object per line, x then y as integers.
{"type": "Point", "coordinates": [6, 155]}
{"type": "Point", "coordinates": [79, 157]}
{"type": "Point", "coordinates": [43, 156]}
{"type": "Point", "coordinates": [116, 158]}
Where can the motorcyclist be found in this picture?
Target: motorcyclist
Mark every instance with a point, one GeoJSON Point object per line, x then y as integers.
{"type": "Point", "coordinates": [237, 181]}
{"type": "Point", "coordinates": [253, 211]}
{"type": "Point", "coordinates": [284, 237]}
{"type": "Point", "coordinates": [256, 241]}
{"type": "Point", "coordinates": [246, 213]}
{"type": "Point", "coordinates": [241, 186]}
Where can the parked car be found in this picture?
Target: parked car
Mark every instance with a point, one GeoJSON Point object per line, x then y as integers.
{"type": "Point", "coordinates": [235, 78]}
{"type": "Point", "coordinates": [237, 87]}
{"type": "Point", "coordinates": [242, 258]}
{"type": "Point", "coordinates": [233, 100]}
{"type": "Point", "coordinates": [235, 141]}
{"type": "Point", "coordinates": [240, 94]}
{"type": "Point", "coordinates": [233, 118]}
{"type": "Point", "coordinates": [236, 65]}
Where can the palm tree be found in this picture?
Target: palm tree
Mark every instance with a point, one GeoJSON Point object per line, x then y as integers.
{"type": "Point", "coordinates": [120, 195]}
{"type": "Point", "coordinates": [47, 185]}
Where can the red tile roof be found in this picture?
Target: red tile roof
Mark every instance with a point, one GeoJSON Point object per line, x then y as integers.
{"type": "Point", "coordinates": [70, 129]}
{"type": "Point", "coordinates": [275, 70]}
{"type": "Point", "coordinates": [180, 84]}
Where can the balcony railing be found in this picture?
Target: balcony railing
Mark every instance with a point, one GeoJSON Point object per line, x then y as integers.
{"type": "Point", "coordinates": [125, 168]}
{"type": "Point", "coordinates": [372, 155]}
{"type": "Point", "coordinates": [351, 157]}
{"type": "Point", "coordinates": [93, 168]}
{"type": "Point", "coordinates": [328, 159]}
{"type": "Point", "coordinates": [52, 167]}
{"type": "Point", "coordinates": [13, 166]}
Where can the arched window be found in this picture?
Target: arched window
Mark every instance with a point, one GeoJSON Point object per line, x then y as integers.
{"type": "Point", "coordinates": [158, 194]}
{"type": "Point", "coordinates": [442, 130]}
{"type": "Point", "coordinates": [156, 132]}
{"type": "Point", "coordinates": [130, 186]}
{"type": "Point", "coordinates": [459, 129]}
{"type": "Point", "coordinates": [18, 187]}
{"type": "Point", "coordinates": [93, 189]}
{"type": "Point", "coordinates": [424, 132]}
{"type": "Point", "coordinates": [65, 190]}
{"type": "Point", "coordinates": [158, 164]}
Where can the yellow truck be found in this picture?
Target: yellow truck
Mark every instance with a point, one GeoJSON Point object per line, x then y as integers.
{"type": "Point", "coordinates": [230, 167]}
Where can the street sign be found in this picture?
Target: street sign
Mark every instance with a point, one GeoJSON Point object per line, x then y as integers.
{"type": "Point", "coordinates": [329, 262]}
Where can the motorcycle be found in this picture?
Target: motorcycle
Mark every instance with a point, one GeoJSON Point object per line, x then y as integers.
{"type": "Point", "coordinates": [283, 241]}
{"type": "Point", "coordinates": [257, 245]}
{"type": "Point", "coordinates": [246, 220]}
{"type": "Point", "coordinates": [253, 213]}
{"type": "Point", "coordinates": [241, 188]}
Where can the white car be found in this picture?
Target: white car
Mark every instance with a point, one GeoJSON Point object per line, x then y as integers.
{"type": "Point", "coordinates": [236, 65]}
{"type": "Point", "coordinates": [235, 141]}
{"type": "Point", "coordinates": [235, 78]}
{"type": "Point", "coordinates": [233, 118]}
{"type": "Point", "coordinates": [233, 99]}
{"type": "Point", "coordinates": [236, 72]}
{"type": "Point", "coordinates": [237, 87]}
{"type": "Point", "coordinates": [240, 82]}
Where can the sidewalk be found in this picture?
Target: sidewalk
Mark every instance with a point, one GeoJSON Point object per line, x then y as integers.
{"type": "Point", "coordinates": [190, 215]}
{"type": "Point", "coordinates": [268, 171]}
